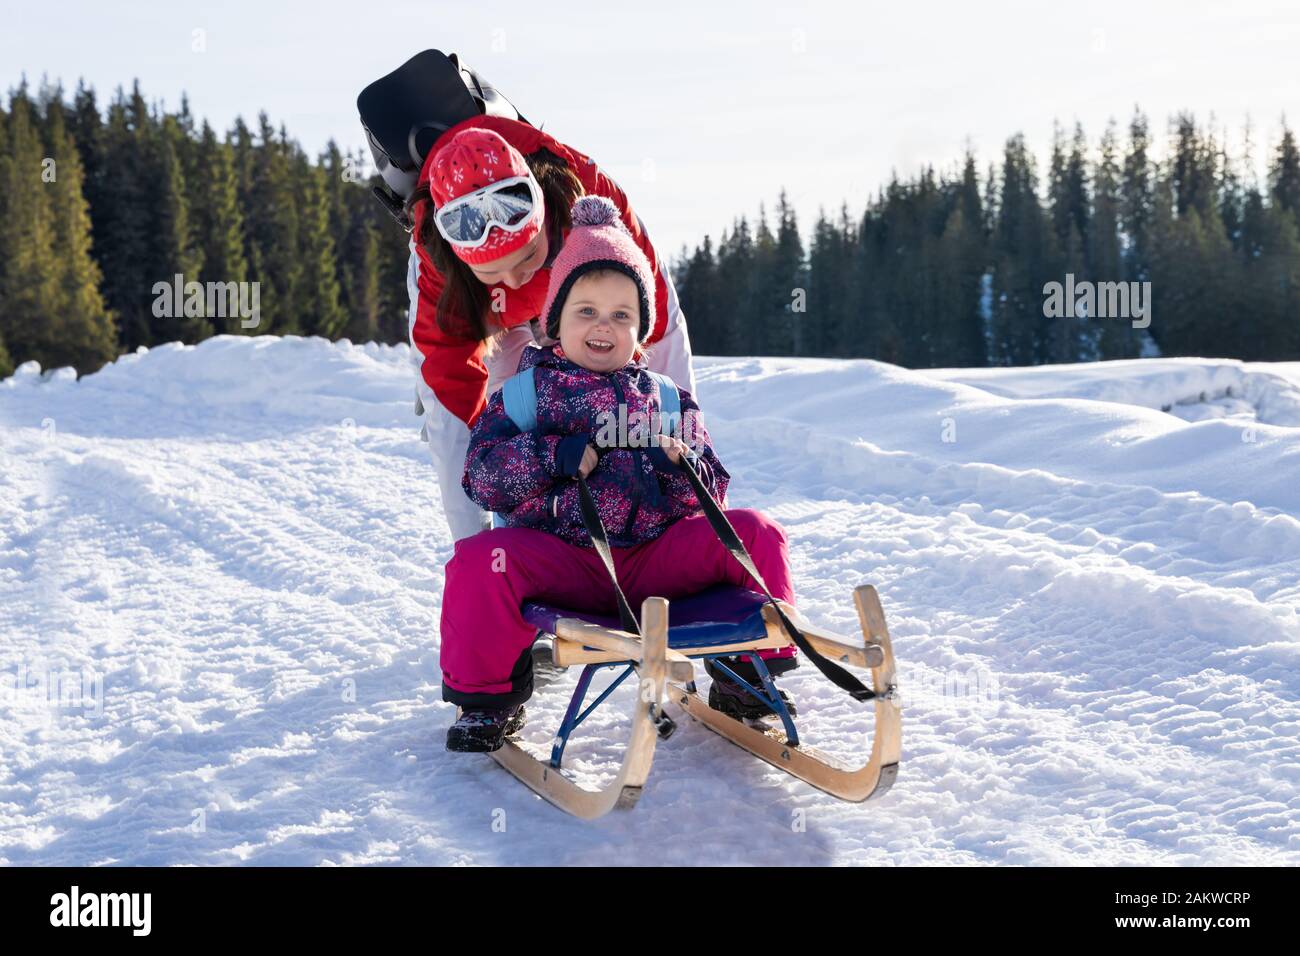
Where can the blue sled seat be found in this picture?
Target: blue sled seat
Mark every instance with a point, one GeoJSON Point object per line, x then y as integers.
{"type": "Point", "coordinates": [723, 614]}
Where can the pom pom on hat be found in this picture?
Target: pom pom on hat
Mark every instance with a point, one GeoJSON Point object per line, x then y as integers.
{"type": "Point", "coordinates": [595, 211]}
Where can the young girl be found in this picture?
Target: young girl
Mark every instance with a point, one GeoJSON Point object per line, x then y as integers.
{"type": "Point", "coordinates": [600, 307]}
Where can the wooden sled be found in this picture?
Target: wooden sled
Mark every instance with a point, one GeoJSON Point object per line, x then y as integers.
{"type": "Point", "coordinates": [724, 621]}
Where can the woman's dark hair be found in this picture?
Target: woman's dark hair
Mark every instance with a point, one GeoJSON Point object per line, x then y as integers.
{"type": "Point", "coordinates": [463, 306]}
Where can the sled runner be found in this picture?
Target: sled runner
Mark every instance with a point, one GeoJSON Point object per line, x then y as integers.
{"type": "Point", "coordinates": [724, 621]}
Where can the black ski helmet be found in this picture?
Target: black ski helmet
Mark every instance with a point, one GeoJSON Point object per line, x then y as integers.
{"type": "Point", "coordinates": [404, 113]}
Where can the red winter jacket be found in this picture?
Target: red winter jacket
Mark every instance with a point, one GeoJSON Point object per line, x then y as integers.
{"type": "Point", "coordinates": [453, 366]}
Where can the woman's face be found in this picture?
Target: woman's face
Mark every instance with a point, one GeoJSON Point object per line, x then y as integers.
{"type": "Point", "coordinates": [515, 269]}
{"type": "Point", "coordinates": [600, 321]}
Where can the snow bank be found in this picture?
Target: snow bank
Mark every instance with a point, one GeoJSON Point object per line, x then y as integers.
{"type": "Point", "coordinates": [229, 384]}
{"type": "Point", "coordinates": [1189, 388]}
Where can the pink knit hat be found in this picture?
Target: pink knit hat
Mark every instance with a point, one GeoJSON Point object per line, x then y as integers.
{"type": "Point", "coordinates": [598, 240]}
{"type": "Point", "coordinates": [470, 160]}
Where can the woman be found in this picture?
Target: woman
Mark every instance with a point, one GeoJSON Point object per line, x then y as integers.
{"type": "Point", "coordinates": [491, 212]}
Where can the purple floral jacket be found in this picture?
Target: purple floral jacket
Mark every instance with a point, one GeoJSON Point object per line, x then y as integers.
{"type": "Point", "coordinates": [527, 477]}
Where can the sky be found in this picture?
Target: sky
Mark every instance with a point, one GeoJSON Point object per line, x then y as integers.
{"type": "Point", "coordinates": [703, 111]}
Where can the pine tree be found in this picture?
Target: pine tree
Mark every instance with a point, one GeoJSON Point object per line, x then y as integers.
{"type": "Point", "coordinates": [991, 200]}
{"type": "Point", "coordinates": [697, 290]}
{"type": "Point", "coordinates": [176, 247]}
{"type": "Point", "coordinates": [86, 127]}
{"type": "Point", "coordinates": [1269, 307]}
{"type": "Point", "coordinates": [6, 361]}
{"type": "Point", "coordinates": [761, 326]}
{"type": "Point", "coordinates": [789, 275]}
{"type": "Point", "coordinates": [1284, 173]}
{"type": "Point", "coordinates": [29, 289]}
{"type": "Point", "coordinates": [1191, 173]}
{"type": "Point", "coordinates": [4, 152]}
{"type": "Point", "coordinates": [963, 262]}
{"type": "Point", "coordinates": [360, 260]}
{"type": "Point", "coordinates": [272, 230]}
{"type": "Point", "coordinates": [356, 249]}
{"type": "Point", "coordinates": [394, 252]}
{"type": "Point", "coordinates": [825, 259]}
{"type": "Point", "coordinates": [219, 222]}
{"type": "Point", "coordinates": [1066, 338]}
{"type": "Point", "coordinates": [317, 303]}
{"type": "Point", "coordinates": [83, 334]}
{"type": "Point", "coordinates": [1230, 191]}
{"type": "Point", "coordinates": [735, 282]}
{"type": "Point", "coordinates": [943, 268]}
{"type": "Point", "coordinates": [839, 317]}
{"type": "Point", "coordinates": [186, 143]}
{"type": "Point", "coordinates": [1026, 258]}
{"type": "Point", "coordinates": [123, 219]}
{"type": "Point", "coordinates": [1068, 190]}
{"type": "Point", "coordinates": [1117, 339]}
{"type": "Point", "coordinates": [1137, 190]}
{"type": "Point", "coordinates": [1193, 278]}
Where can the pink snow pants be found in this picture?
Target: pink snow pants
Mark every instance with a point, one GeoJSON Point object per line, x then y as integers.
{"type": "Point", "coordinates": [486, 644]}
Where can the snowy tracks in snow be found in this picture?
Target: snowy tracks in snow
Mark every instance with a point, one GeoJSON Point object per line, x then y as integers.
{"type": "Point", "coordinates": [1095, 606]}
{"type": "Point", "coordinates": [1094, 669]}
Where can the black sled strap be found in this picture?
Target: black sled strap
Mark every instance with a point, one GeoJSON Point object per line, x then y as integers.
{"type": "Point", "coordinates": [731, 541]}
{"type": "Point", "coordinates": [599, 541]}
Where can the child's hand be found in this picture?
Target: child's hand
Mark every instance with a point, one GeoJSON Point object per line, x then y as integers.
{"type": "Point", "coordinates": [589, 459]}
{"type": "Point", "coordinates": [674, 448]}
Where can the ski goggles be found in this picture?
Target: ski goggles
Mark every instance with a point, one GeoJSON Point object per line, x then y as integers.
{"type": "Point", "coordinates": [510, 205]}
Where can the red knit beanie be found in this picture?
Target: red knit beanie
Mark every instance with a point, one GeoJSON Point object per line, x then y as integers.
{"type": "Point", "coordinates": [598, 240]}
{"type": "Point", "coordinates": [470, 160]}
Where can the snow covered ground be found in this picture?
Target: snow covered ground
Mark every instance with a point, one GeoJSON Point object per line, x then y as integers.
{"type": "Point", "coordinates": [228, 558]}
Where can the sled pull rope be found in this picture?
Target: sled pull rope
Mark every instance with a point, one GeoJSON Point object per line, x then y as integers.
{"type": "Point", "coordinates": [600, 541]}
{"type": "Point", "coordinates": [731, 541]}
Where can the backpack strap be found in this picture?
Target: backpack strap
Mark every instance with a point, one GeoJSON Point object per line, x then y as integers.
{"type": "Point", "coordinates": [519, 392]}
{"type": "Point", "coordinates": [670, 404]}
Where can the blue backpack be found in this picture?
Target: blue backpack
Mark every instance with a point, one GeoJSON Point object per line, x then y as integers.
{"type": "Point", "coordinates": [519, 393]}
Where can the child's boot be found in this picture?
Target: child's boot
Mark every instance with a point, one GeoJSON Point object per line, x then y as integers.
{"type": "Point", "coordinates": [484, 729]}
{"type": "Point", "coordinates": [728, 697]}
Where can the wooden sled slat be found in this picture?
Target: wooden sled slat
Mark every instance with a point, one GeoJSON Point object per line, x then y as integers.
{"type": "Point", "coordinates": [576, 636]}
{"type": "Point", "coordinates": [585, 643]}
{"type": "Point", "coordinates": [827, 643]}
{"type": "Point", "coordinates": [573, 654]}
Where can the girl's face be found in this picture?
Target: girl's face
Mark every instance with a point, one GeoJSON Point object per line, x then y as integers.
{"type": "Point", "coordinates": [600, 321]}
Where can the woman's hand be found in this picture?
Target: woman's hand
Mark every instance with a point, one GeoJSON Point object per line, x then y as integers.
{"type": "Point", "coordinates": [674, 448]}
